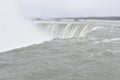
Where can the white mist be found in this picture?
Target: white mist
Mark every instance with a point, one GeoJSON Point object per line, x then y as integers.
{"type": "Point", "coordinates": [15, 31]}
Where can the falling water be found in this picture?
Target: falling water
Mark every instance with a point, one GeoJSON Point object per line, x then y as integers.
{"type": "Point", "coordinates": [93, 57]}
{"type": "Point", "coordinates": [67, 29]}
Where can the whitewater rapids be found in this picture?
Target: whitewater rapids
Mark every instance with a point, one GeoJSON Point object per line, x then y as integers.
{"type": "Point", "coordinates": [84, 50]}
{"type": "Point", "coordinates": [88, 50]}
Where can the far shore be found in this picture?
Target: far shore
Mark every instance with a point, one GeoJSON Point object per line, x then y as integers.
{"type": "Point", "coordinates": [78, 18]}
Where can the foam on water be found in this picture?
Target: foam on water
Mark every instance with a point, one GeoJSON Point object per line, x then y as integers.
{"type": "Point", "coordinates": [111, 40]}
{"type": "Point", "coordinates": [59, 59]}
{"type": "Point", "coordinates": [62, 59]}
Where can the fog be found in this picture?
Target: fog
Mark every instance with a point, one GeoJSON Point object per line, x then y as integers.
{"type": "Point", "coordinates": [15, 30]}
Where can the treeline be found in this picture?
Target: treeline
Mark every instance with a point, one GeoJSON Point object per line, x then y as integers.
{"type": "Point", "coordinates": [83, 18]}
{"type": "Point", "coordinates": [94, 18]}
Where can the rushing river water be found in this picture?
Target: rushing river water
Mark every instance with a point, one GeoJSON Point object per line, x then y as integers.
{"type": "Point", "coordinates": [85, 50]}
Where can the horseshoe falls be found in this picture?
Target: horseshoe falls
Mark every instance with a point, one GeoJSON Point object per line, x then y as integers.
{"type": "Point", "coordinates": [65, 29]}
{"type": "Point", "coordinates": [57, 50]}
{"type": "Point", "coordinates": [77, 50]}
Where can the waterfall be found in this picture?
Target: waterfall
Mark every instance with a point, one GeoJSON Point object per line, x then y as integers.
{"type": "Point", "coordinates": [66, 30]}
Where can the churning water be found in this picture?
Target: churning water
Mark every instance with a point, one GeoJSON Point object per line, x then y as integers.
{"type": "Point", "coordinates": [84, 50]}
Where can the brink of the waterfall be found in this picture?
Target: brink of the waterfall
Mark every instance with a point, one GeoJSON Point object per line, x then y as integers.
{"type": "Point", "coordinates": [84, 50]}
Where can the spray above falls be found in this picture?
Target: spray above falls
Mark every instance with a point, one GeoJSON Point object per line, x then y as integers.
{"type": "Point", "coordinates": [16, 31]}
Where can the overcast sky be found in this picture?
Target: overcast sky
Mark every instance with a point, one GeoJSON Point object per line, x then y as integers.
{"type": "Point", "coordinates": [69, 8]}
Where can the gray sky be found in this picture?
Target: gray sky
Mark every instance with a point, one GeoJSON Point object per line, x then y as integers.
{"type": "Point", "coordinates": [69, 8]}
